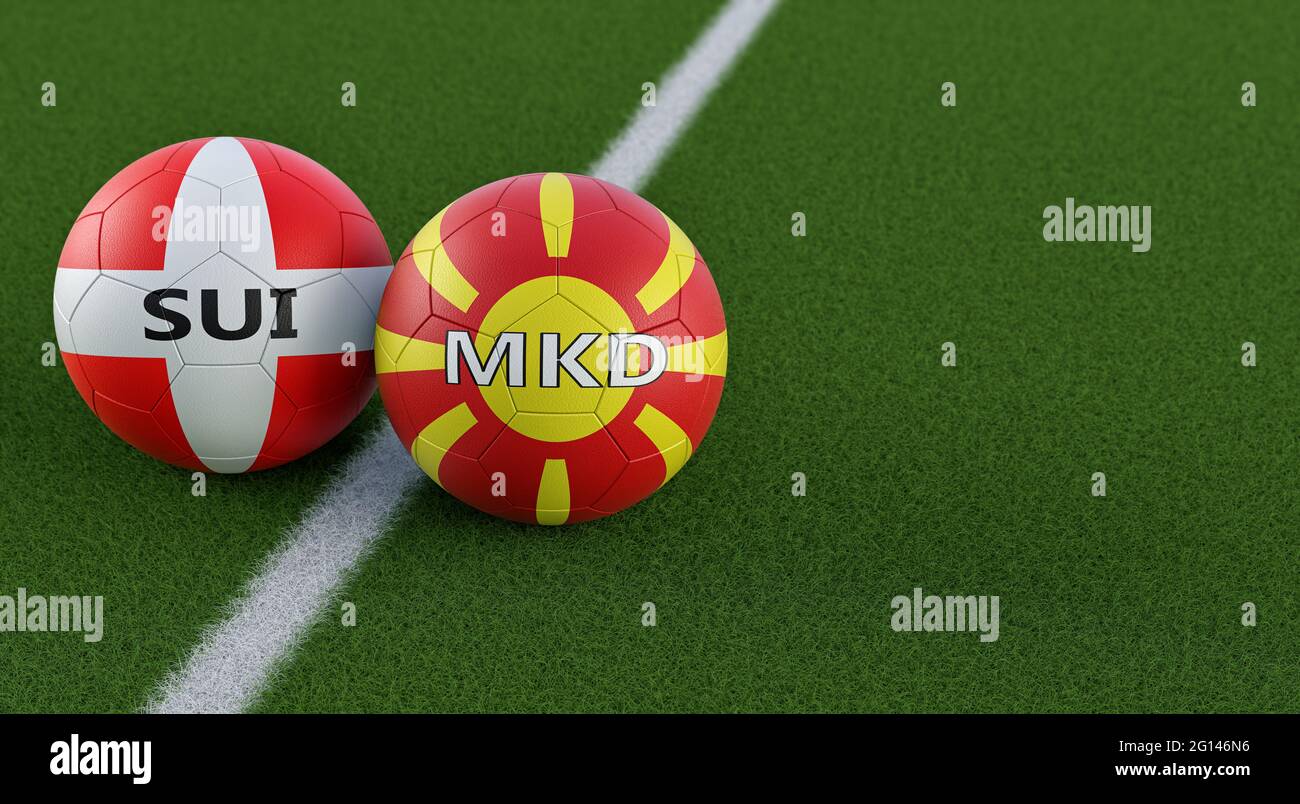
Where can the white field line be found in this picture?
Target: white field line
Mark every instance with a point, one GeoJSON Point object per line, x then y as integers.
{"type": "Point", "coordinates": [632, 157]}
{"type": "Point", "coordinates": [235, 658]}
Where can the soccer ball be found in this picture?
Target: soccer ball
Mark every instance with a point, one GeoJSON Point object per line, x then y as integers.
{"type": "Point", "coordinates": [551, 348]}
{"type": "Point", "coordinates": [215, 304]}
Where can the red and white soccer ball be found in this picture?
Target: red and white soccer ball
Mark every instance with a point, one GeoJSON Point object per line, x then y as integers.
{"type": "Point", "coordinates": [215, 304]}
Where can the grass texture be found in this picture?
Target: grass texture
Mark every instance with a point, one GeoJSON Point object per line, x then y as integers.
{"type": "Point", "coordinates": [449, 97]}
{"type": "Point", "coordinates": [924, 226]}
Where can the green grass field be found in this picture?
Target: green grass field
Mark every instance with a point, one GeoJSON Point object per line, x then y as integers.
{"type": "Point", "coordinates": [924, 225]}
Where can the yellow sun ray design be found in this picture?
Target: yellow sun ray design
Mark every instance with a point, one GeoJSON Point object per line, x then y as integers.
{"type": "Point", "coordinates": [438, 437]}
{"type": "Point", "coordinates": [555, 200]}
{"type": "Point", "coordinates": [669, 438]}
{"type": "Point", "coordinates": [700, 356]}
{"type": "Point", "coordinates": [436, 267]}
{"type": "Point", "coordinates": [395, 352]}
{"type": "Point", "coordinates": [553, 493]}
{"type": "Point", "coordinates": [672, 273]}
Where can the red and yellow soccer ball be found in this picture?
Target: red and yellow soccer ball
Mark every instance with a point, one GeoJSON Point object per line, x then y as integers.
{"type": "Point", "coordinates": [215, 304]}
{"type": "Point", "coordinates": [551, 348]}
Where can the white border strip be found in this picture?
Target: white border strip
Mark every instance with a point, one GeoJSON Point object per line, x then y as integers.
{"type": "Point", "coordinates": [235, 658]}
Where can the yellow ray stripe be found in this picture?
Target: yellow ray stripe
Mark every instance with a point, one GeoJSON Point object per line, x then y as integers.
{"type": "Point", "coordinates": [553, 493]}
{"type": "Point", "coordinates": [436, 267]}
{"type": "Point", "coordinates": [395, 352]}
{"type": "Point", "coordinates": [700, 356]}
{"type": "Point", "coordinates": [672, 273]}
{"type": "Point", "coordinates": [556, 202]}
{"type": "Point", "coordinates": [435, 440]}
{"type": "Point", "coordinates": [668, 438]}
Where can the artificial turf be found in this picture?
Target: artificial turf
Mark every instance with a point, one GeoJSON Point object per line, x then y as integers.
{"type": "Point", "coordinates": [924, 226]}
{"type": "Point", "coordinates": [448, 97]}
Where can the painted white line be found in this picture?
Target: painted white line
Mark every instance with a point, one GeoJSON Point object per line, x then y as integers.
{"type": "Point", "coordinates": [296, 581]}
{"type": "Point", "coordinates": [235, 658]}
{"type": "Point", "coordinates": [631, 159]}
